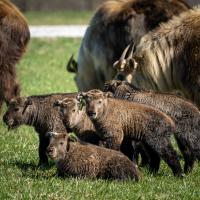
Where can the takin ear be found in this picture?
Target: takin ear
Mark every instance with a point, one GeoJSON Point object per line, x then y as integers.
{"type": "Point", "coordinates": [81, 95]}
{"type": "Point", "coordinates": [27, 103]}
{"type": "Point", "coordinates": [108, 95]}
{"type": "Point", "coordinates": [57, 103]}
{"type": "Point", "coordinates": [117, 83]}
{"type": "Point", "coordinates": [12, 101]}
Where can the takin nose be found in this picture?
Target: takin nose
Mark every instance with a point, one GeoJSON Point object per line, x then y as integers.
{"type": "Point", "coordinates": [91, 114]}
{"type": "Point", "coordinates": [50, 150]}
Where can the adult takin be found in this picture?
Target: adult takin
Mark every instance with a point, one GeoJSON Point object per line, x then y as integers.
{"type": "Point", "coordinates": [185, 115]}
{"type": "Point", "coordinates": [116, 119]}
{"type": "Point", "coordinates": [167, 58]}
{"type": "Point", "coordinates": [114, 25]}
{"type": "Point", "coordinates": [14, 37]}
{"type": "Point", "coordinates": [85, 160]}
{"type": "Point", "coordinates": [37, 111]}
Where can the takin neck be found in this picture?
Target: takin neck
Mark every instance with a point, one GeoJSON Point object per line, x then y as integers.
{"type": "Point", "coordinates": [156, 69]}
{"type": "Point", "coordinates": [85, 125]}
{"type": "Point", "coordinates": [39, 118]}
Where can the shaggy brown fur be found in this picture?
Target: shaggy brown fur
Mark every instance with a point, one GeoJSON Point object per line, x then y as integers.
{"type": "Point", "coordinates": [89, 161]}
{"type": "Point", "coordinates": [14, 37]}
{"type": "Point", "coordinates": [169, 58]}
{"type": "Point", "coordinates": [185, 115]}
{"type": "Point", "coordinates": [113, 27]}
{"type": "Point", "coordinates": [116, 119]}
{"type": "Point", "coordinates": [37, 111]}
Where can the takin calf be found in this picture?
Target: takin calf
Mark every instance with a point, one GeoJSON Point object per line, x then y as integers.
{"type": "Point", "coordinates": [112, 28]}
{"type": "Point", "coordinates": [116, 119]}
{"type": "Point", "coordinates": [37, 111]}
{"type": "Point", "coordinates": [89, 161]}
{"type": "Point", "coordinates": [185, 115]}
{"type": "Point", "coordinates": [14, 37]}
{"type": "Point", "coordinates": [167, 58]}
{"type": "Point", "coordinates": [75, 118]}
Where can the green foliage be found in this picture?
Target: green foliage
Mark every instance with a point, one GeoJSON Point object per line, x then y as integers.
{"type": "Point", "coordinates": [58, 17]}
{"type": "Point", "coordinates": [42, 70]}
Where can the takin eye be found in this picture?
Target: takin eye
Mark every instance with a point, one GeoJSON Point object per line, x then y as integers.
{"type": "Point", "coordinates": [100, 101]}
{"type": "Point", "coordinates": [61, 143]}
{"type": "Point", "coordinates": [73, 110]}
{"type": "Point", "coordinates": [16, 109]}
{"type": "Point", "coordinates": [120, 77]}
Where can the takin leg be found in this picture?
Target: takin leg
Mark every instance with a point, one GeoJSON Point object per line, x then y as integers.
{"type": "Point", "coordinates": [139, 148]}
{"type": "Point", "coordinates": [153, 159]}
{"type": "Point", "coordinates": [165, 150]}
{"type": "Point", "coordinates": [188, 155]}
{"type": "Point", "coordinates": [121, 169]}
{"type": "Point", "coordinates": [113, 140]}
{"type": "Point", "coordinates": [127, 149]}
{"type": "Point", "coordinates": [43, 144]}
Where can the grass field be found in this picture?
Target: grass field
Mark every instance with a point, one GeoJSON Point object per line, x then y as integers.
{"type": "Point", "coordinates": [58, 17]}
{"type": "Point", "coordinates": [42, 70]}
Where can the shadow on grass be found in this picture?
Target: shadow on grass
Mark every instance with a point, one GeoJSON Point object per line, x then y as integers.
{"type": "Point", "coordinates": [31, 170]}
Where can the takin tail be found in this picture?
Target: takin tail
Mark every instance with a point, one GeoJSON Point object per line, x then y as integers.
{"type": "Point", "coordinates": [72, 65]}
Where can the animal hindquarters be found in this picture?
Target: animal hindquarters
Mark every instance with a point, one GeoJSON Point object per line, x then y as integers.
{"type": "Point", "coordinates": [166, 151]}
{"type": "Point", "coordinates": [121, 168]}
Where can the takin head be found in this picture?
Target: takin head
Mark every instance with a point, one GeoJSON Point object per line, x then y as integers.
{"type": "Point", "coordinates": [71, 111]}
{"type": "Point", "coordinates": [96, 101]}
{"type": "Point", "coordinates": [115, 86]}
{"type": "Point", "coordinates": [17, 112]}
{"type": "Point", "coordinates": [58, 146]}
{"type": "Point", "coordinates": [127, 64]}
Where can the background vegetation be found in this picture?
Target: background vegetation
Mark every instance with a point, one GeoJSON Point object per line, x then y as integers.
{"type": "Point", "coordinates": [58, 17]}
{"type": "Point", "coordinates": [42, 70]}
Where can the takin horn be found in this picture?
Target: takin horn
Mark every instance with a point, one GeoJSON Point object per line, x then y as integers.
{"type": "Point", "coordinates": [72, 65]}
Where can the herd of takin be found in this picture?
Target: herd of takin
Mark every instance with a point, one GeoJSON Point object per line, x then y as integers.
{"type": "Point", "coordinates": [138, 76]}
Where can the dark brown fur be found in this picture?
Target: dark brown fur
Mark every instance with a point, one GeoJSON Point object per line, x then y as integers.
{"type": "Point", "coordinates": [14, 37]}
{"type": "Point", "coordinates": [116, 119]}
{"type": "Point", "coordinates": [39, 112]}
{"type": "Point", "coordinates": [113, 27]}
{"type": "Point", "coordinates": [90, 161]}
{"type": "Point", "coordinates": [185, 115]}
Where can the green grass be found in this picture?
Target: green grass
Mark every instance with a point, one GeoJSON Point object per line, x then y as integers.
{"type": "Point", "coordinates": [58, 17]}
{"type": "Point", "coordinates": [42, 70]}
